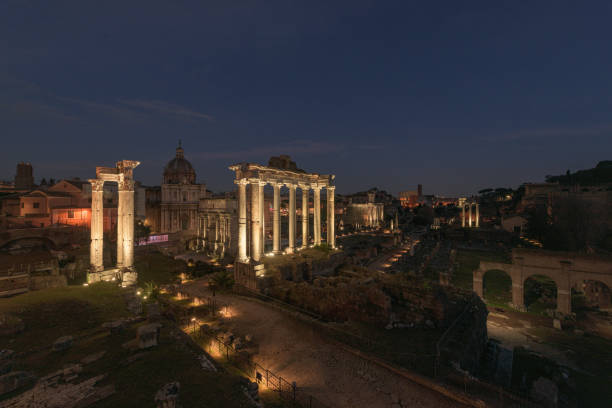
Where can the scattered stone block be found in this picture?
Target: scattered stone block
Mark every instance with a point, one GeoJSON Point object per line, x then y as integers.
{"type": "Point", "coordinates": [14, 380]}
{"type": "Point", "coordinates": [115, 327]}
{"type": "Point", "coordinates": [93, 357]}
{"type": "Point", "coordinates": [148, 335]}
{"type": "Point", "coordinates": [63, 343]}
{"type": "Point", "coordinates": [248, 338]}
{"type": "Point", "coordinates": [167, 396]}
{"type": "Point", "coordinates": [206, 364]}
{"type": "Point", "coordinates": [557, 324]}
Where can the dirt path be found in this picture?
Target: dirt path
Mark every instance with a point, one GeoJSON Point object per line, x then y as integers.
{"type": "Point", "coordinates": [298, 353]}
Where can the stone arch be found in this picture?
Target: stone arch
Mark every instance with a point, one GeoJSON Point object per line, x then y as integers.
{"type": "Point", "coordinates": [540, 285]}
{"type": "Point", "coordinates": [596, 292]}
{"type": "Point", "coordinates": [497, 286]}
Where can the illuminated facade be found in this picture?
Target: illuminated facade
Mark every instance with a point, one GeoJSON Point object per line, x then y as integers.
{"type": "Point", "coordinates": [180, 196]}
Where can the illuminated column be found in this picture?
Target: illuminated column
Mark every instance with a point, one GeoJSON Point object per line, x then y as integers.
{"type": "Point", "coordinates": [305, 191]}
{"type": "Point", "coordinates": [255, 220]}
{"type": "Point", "coordinates": [262, 216]}
{"type": "Point", "coordinates": [125, 212]}
{"type": "Point", "coordinates": [317, 215]}
{"type": "Point", "coordinates": [477, 216]}
{"type": "Point", "coordinates": [470, 215]}
{"type": "Point", "coordinates": [463, 215]}
{"type": "Point", "coordinates": [96, 247]}
{"type": "Point", "coordinates": [242, 220]}
{"type": "Point", "coordinates": [291, 248]}
{"type": "Point", "coordinates": [331, 226]}
{"type": "Point", "coordinates": [276, 220]}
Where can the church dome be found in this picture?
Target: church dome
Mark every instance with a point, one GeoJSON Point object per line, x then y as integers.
{"type": "Point", "coordinates": [179, 170]}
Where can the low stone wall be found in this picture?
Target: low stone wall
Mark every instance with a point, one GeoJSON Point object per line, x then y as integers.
{"type": "Point", "coordinates": [47, 282]}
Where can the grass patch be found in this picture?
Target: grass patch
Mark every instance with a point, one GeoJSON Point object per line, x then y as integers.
{"type": "Point", "coordinates": [158, 268]}
{"type": "Point", "coordinates": [52, 313]}
{"type": "Point", "coordinates": [497, 287]}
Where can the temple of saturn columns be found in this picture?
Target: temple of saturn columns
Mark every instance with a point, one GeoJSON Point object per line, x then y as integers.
{"type": "Point", "coordinates": [471, 221]}
{"type": "Point", "coordinates": [124, 271]}
{"type": "Point", "coordinates": [255, 177]}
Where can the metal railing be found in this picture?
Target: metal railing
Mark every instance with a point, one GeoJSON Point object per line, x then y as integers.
{"type": "Point", "coordinates": [288, 391]}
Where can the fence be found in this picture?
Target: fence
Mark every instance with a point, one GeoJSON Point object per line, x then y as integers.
{"type": "Point", "coordinates": [287, 391]}
{"type": "Point", "coordinates": [425, 363]}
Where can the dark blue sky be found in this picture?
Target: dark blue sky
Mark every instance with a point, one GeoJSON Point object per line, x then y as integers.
{"type": "Point", "coordinates": [457, 96]}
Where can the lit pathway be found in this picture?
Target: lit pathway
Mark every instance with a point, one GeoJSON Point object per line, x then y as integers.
{"type": "Point", "coordinates": [296, 351]}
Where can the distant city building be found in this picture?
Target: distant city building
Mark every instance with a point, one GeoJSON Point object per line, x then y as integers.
{"type": "Point", "coordinates": [411, 198]}
{"type": "Point", "coordinates": [218, 225]}
{"type": "Point", "coordinates": [24, 179]}
{"type": "Point", "coordinates": [364, 215]}
{"type": "Point", "coordinates": [180, 196]}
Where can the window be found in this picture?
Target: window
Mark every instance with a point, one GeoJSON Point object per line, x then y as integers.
{"type": "Point", "coordinates": [36, 205]}
{"type": "Point", "coordinates": [70, 214]}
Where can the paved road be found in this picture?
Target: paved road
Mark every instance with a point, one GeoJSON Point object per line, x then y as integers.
{"type": "Point", "coordinates": [296, 351]}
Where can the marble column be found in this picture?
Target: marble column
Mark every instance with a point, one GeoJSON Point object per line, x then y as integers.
{"type": "Point", "coordinates": [125, 212]}
{"type": "Point", "coordinates": [317, 215]}
{"type": "Point", "coordinates": [262, 216]}
{"type": "Point", "coordinates": [276, 220]}
{"type": "Point", "coordinates": [96, 248]}
{"type": "Point", "coordinates": [470, 215]}
{"type": "Point", "coordinates": [331, 226]}
{"type": "Point", "coordinates": [463, 215]}
{"type": "Point", "coordinates": [477, 216]}
{"type": "Point", "coordinates": [291, 248]}
{"type": "Point", "coordinates": [305, 215]}
{"type": "Point", "coordinates": [255, 220]}
{"type": "Point", "coordinates": [242, 221]}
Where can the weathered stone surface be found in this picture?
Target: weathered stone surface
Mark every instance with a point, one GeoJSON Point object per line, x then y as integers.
{"type": "Point", "coordinates": [93, 357]}
{"type": "Point", "coordinates": [168, 395]}
{"type": "Point", "coordinates": [50, 393]}
{"type": "Point", "coordinates": [115, 327]}
{"type": "Point", "coordinates": [63, 343]}
{"type": "Point", "coordinates": [148, 335]}
{"type": "Point", "coordinates": [557, 324]}
{"type": "Point", "coordinates": [14, 380]}
{"type": "Point", "coordinates": [545, 392]}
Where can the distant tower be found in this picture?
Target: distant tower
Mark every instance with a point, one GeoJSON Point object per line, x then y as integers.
{"type": "Point", "coordinates": [24, 179]}
{"type": "Point", "coordinates": [420, 190]}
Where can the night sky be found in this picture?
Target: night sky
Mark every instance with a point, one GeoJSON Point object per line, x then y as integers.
{"type": "Point", "coordinates": [455, 95]}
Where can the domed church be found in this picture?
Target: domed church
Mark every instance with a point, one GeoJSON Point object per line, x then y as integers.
{"type": "Point", "coordinates": [180, 195]}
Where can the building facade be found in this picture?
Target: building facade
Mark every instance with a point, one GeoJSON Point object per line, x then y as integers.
{"type": "Point", "coordinates": [180, 196]}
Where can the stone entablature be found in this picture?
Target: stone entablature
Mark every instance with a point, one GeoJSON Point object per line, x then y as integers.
{"type": "Point", "coordinates": [568, 270]}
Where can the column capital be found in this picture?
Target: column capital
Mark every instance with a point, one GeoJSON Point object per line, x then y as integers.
{"type": "Point", "coordinates": [316, 187]}
{"type": "Point", "coordinates": [97, 184]}
{"type": "Point", "coordinates": [126, 185]}
{"type": "Point", "coordinates": [243, 181]}
{"type": "Point", "coordinates": [291, 186]}
{"type": "Point", "coordinates": [331, 188]}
